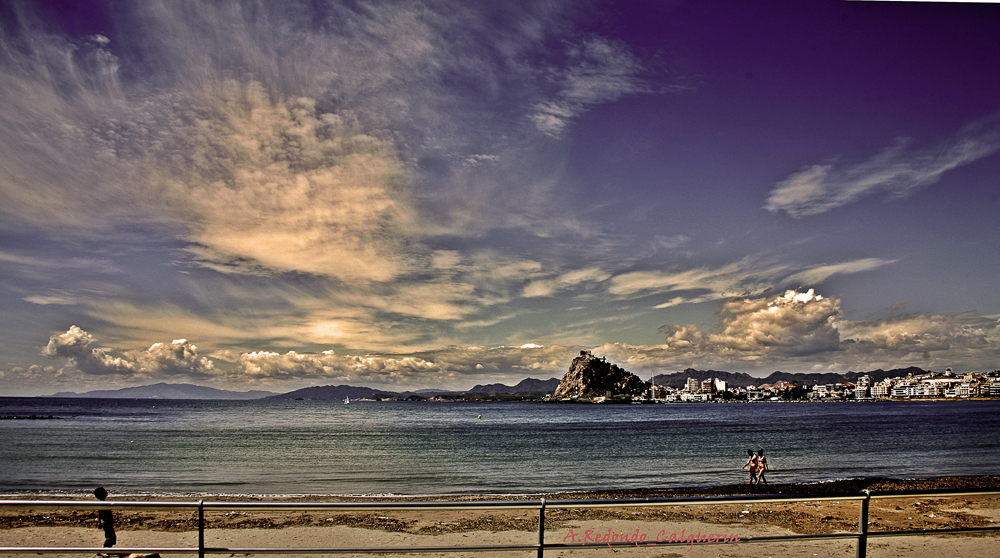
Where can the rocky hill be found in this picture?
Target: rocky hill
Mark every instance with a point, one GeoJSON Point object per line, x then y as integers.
{"type": "Point", "coordinates": [589, 376]}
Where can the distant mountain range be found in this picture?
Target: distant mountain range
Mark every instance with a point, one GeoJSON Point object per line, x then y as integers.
{"type": "Point", "coordinates": [167, 391]}
{"type": "Point", "coordinates": [528, 386]}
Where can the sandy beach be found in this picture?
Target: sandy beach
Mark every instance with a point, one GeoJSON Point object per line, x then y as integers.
{"type": "Point", "coordinates": [584, 531]}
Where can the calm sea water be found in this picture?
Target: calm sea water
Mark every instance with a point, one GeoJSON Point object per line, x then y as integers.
{"type": "Point", "coordinates": [406, 448]}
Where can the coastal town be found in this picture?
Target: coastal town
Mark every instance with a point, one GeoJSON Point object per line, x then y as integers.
{"type": "Point", "coordinates": [932, 385]}
{"type": "Point", "coordinates": [593, 379]}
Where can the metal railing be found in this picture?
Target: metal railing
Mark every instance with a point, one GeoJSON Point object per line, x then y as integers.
{"type": "Point", "coordinates": [541, 505]}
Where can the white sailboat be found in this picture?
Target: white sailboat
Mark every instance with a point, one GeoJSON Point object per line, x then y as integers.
{"type": "Point", "coordinates": [347, 400]}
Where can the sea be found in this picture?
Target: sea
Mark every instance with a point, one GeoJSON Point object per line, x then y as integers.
{"type": "Point", "coordinates": [288, 448]}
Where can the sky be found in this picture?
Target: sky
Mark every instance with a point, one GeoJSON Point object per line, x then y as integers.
{"type": "Point", "coordinates": [438, 194]}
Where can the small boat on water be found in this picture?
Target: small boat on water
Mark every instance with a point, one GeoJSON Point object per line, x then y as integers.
{"type": "Point", "coordinates": [347, 400]}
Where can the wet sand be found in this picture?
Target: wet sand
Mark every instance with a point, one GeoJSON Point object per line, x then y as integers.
{"type": "Point", "coordinates": [650, 526]}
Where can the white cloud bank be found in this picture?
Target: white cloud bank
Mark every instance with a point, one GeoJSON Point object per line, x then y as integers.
{"type": "Point", "coordinates": [794, 331]}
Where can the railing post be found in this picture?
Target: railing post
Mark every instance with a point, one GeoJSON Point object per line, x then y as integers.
{"type": "Point", "coordinates": [201, 529]}
{"type": "Point", "coordinates": [541, 530]}
{"type": "Point", "coordinates": [863, 526]}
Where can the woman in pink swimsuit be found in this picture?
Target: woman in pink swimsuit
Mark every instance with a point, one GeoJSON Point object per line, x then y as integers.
{"type": "Point", "coordinates": [752, 462]}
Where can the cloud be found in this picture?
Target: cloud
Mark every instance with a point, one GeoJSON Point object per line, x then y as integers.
{"type": "Point", "coordinates": [274, 138]}
{"type": "Point", "coordinates": [55, 297]}
{"type": "Point", "coordinates": [310, 193]}
{"type": "Point", "coordinates": [791, 324]}
{"type": "Point", "coordinates": [960, 334]}
{"type": "Point", "coordinates": [754, 331]}
{"type": "Point", "coordinates": [706, 283]}
{"type": "Point", "coordinates": [793, 331]}
{"type": "Point", "coordinates": [444, 367]}
{"type": "Point", "coordinates": [897, 171]}
{"type": "Point", "coordinates": [598, 70]}
{"type": "Point", "coordinates": [178, 358]}
{"type": "Point", "coordinates": [803, 331]}
{"type": "Point", "coordinates": [568, 280]}
{"type": "Point", "coordinates": [820, 273]}
{"type": "Point", "coordinates": [296, 140]}
{"type": "Point", "coordinates": [74, 345]}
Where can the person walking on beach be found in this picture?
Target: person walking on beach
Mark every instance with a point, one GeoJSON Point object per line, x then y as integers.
{"type": "Point", "coordinates": [752, 462]}
{"type": "Point", "coordinates": [761, 466]}
{"type": "Point", "coordinates": [105, 519]}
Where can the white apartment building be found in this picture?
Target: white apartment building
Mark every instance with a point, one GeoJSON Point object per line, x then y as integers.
{"type": "Point", "coordinates": [881, 389]}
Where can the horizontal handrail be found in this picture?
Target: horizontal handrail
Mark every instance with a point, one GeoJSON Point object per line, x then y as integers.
{"type": "Point", "coordinates": [541, 505]}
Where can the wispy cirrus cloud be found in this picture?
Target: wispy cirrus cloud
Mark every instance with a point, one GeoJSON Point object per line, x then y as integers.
{"type": "Point", "coordinates": [897, 171]}
{"type": "Point", "coordinates": [570, 279]}
{"type": "Point", "coordinates": [599, 70]}
{"type": "Point", "coordinates": [714, 283]}
{"type": "Point", "coordinates": [817, 274]}
{"type": "Point", "coordinates": [704, 284]}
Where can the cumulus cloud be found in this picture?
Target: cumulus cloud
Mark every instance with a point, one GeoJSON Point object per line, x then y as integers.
{"type": "Point", "coordinates": [769, 328]}
{"type": "Point", "coordinates": [162, 359]}
{"type": "Point", "coordinates": [75, 346]}
{"type": "Point", "coordinates": [177, 357]}
{"type": "Point", "coordinates": [898, 170]}
{"type": "Point", "coordinates": [803, 331]}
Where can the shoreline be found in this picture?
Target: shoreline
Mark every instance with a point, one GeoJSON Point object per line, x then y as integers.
{"type": "Point", "coordinates": [819, 488]}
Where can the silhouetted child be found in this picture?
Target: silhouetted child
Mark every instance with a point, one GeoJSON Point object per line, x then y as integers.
{"type": "Point", "coordinates": [105, 519]}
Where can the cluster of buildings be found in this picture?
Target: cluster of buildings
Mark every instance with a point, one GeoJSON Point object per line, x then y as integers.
{"type": "Point", "coordinates": [931, 385]}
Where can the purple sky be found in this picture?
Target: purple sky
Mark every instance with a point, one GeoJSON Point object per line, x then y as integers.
{"type": "Point", "coordinates": [442, 194]}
